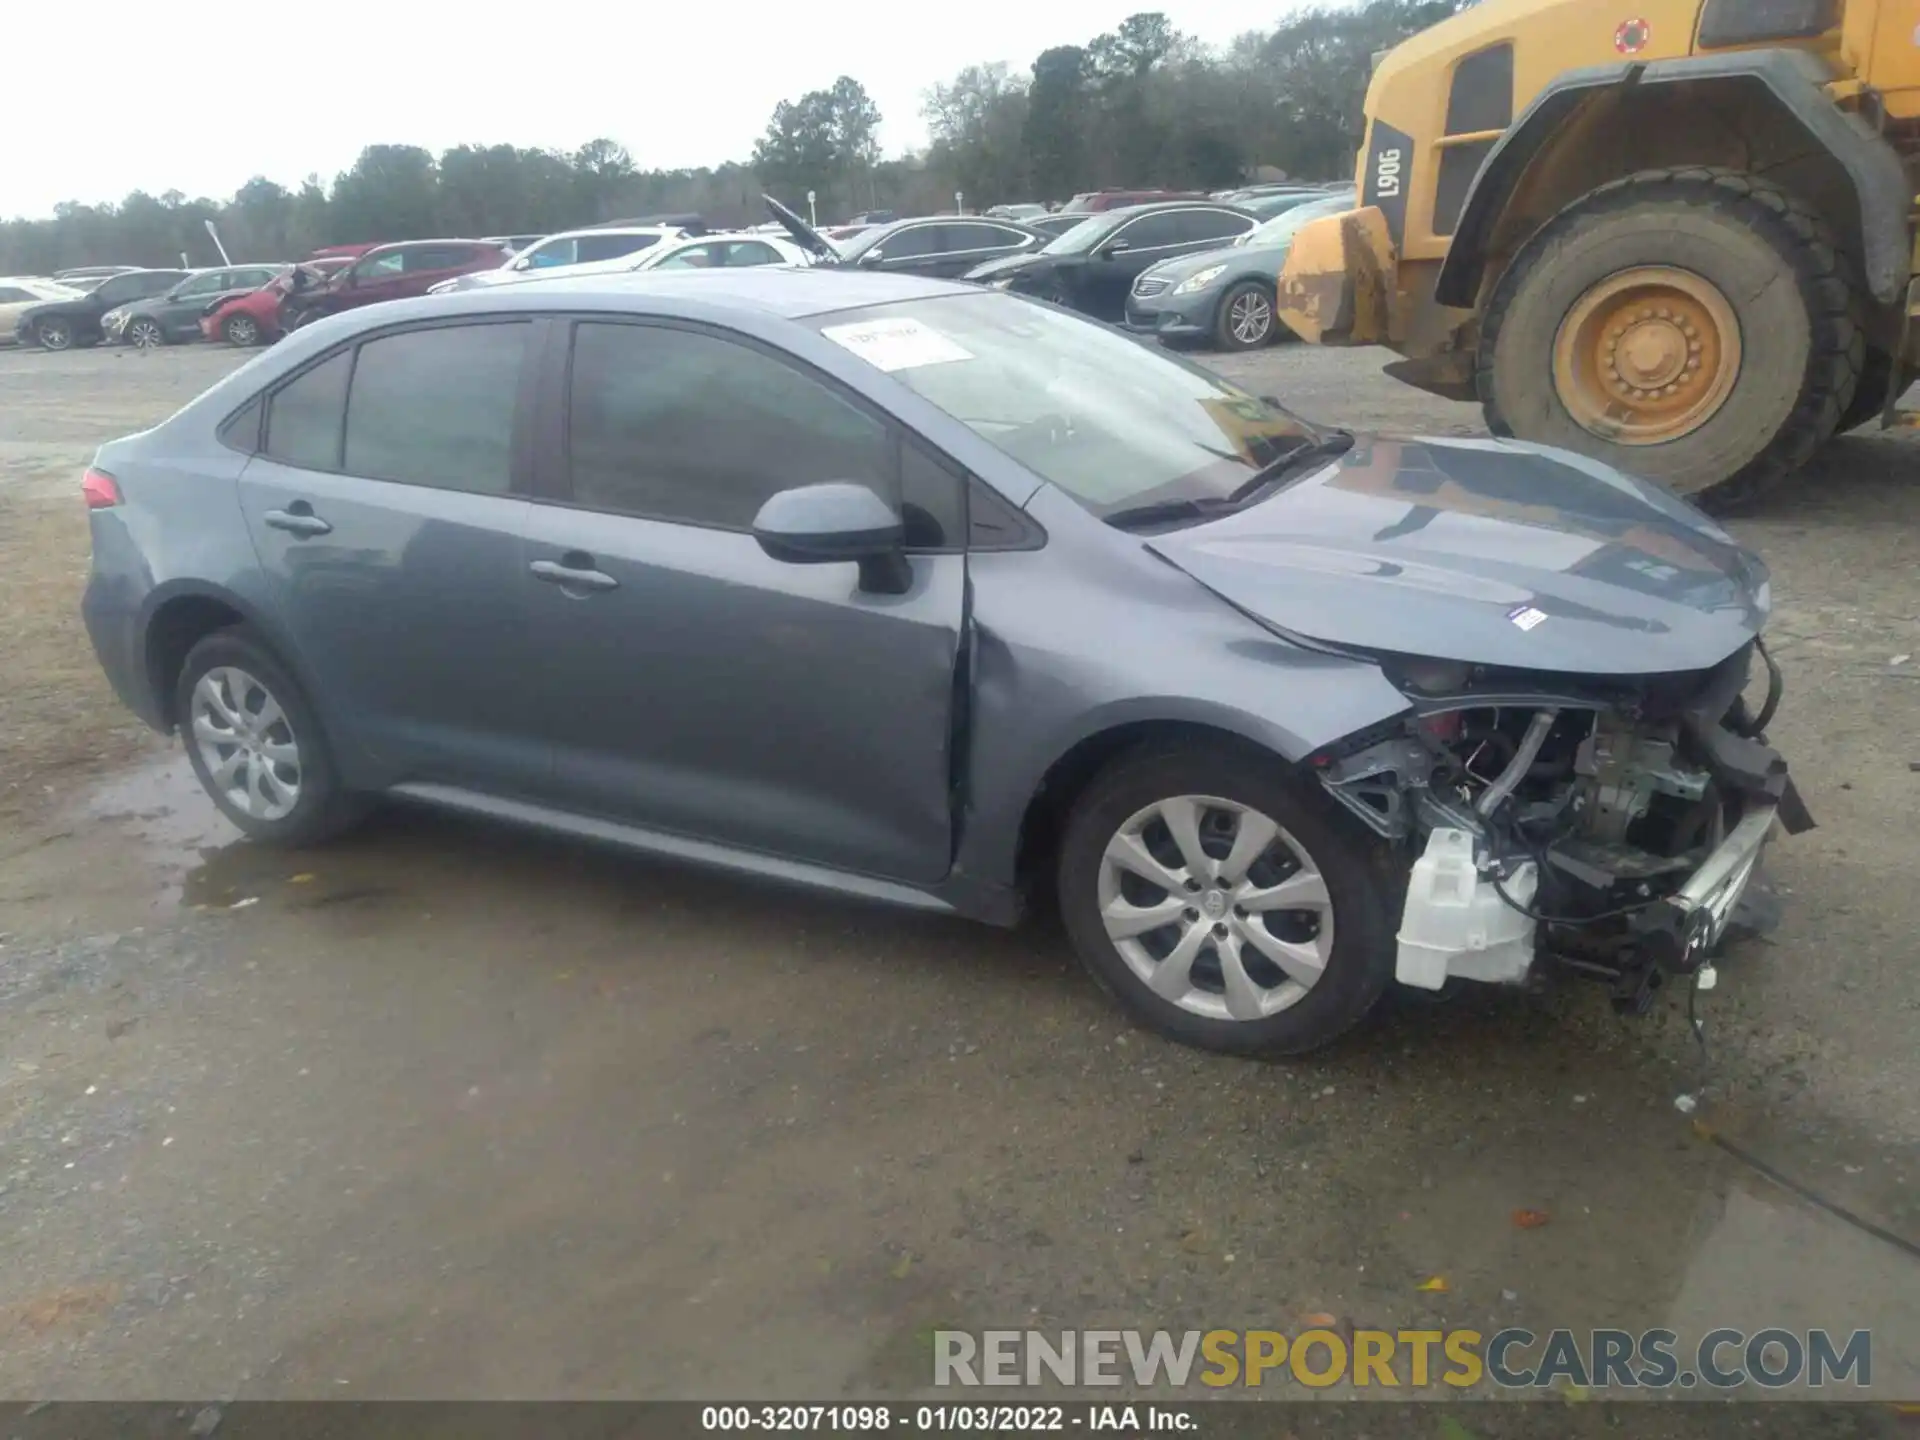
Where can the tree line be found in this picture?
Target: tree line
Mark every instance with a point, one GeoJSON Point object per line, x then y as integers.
{"type": "Point", "coordinates": [1141, 105]}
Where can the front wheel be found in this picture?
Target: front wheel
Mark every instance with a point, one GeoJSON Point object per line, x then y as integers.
{"type": "Point", "coordinates": [1224, 904]}
{"type": "Point", "coordinates": [241, 330]}
{"type": "Point", "coordinates": [1692, 326]}
{"type": "Point", "coordinates": [146, 334]}
{"type": "Point", "coordinates": [55, 334]}
{"type": "Point", "coordinates": [256, 745]}
{"type": "Point", "coordinates": [1245, 318]}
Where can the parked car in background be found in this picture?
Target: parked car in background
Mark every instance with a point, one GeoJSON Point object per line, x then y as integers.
{"type": "Point", "coordinates": [915, 592]}
{"type": "Point", "coordinates": [1224, 296]}
{"type": "Point", "coordinates": [19, 293]}
{"type": "Point", "coordinates": [60, 324]}
{"type": "Point", "coordinates": [690, 252]}
{"type": "Point", "coordinates": [174, 316]}
{"type": "Point", "coordinates": [513, 244]}
{"type": "Point", "coordinates": [388, 272]}
{"type": "Point", "coordinates": [873, 217]}
{"type": "Point", "coordinates": [1093, 202]}
{"type": "Point", "coordinates": [580, 247]}
{"type": "Point", "coordinates": [1093, 265]}
{"type": "Point", "coordinates": [254, 318]}
{"type": "Point", "coordinates": [1027, 212]}
{"type": "Point", "coordinates": [940, 245]}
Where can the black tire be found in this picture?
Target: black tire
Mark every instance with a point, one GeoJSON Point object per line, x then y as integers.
{"type": "Point", "coordinates": [1357, 872]}
{"type": "Point", "coordinates": [1774, 262]}
{"type": "Point", "coordinates": [54, 334]}
{"type": "Point", "coordinates": [241, 330]}
{"type": "Point", "coordinates": [323, 808]}
{"type": "Point", "coordinates": [1258, 300]}
{"type": "Point", "coordinates": [1870, 395]}
{"type": "Point", "coordinates": [146, 325]}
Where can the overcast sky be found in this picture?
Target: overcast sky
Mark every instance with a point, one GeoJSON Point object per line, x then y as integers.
{"type": "Point", "coordinates": [208, 100]}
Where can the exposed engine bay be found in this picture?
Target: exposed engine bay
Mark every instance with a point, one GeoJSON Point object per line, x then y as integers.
{"type": "Point", "coordinates": [1612, 826]}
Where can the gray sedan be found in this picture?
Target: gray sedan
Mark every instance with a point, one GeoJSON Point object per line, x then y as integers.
{"type": "Point", "coordinates": [1224, 296]}
{"type": "Point", "coordinates": [914, 591]}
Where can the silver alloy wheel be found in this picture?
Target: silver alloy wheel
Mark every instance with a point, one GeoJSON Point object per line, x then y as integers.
{"type": "Point", "coordinates": [1250, 318]}
{"type": "Point", "coordinates": [247, 743]}
{"type": "Point", "coordinates": [1216, 908]}
{"type": "Point", "coordinates": [241, 330]}
{"type": "Point", "coordinates": [144, 334]}
{"type": "Point", "coordinates": [54, 334]}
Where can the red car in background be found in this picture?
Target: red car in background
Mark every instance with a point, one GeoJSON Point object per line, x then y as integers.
{"type": "Point", "coordinates": [254, 318]}
{"type": "Point", "coordinates": [391, 272]}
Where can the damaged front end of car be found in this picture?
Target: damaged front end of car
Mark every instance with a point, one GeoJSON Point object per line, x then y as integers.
{"type": "Point", "coordinates": [1612, 826]}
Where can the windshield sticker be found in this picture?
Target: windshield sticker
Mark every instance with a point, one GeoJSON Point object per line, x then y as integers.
{"type": "Point", "coordinates": [1525, 616]}
{"type": "Point", "coordinates": [897, 344]}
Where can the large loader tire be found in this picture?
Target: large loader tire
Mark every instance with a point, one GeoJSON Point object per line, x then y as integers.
{"type": "Point", "coordinates": [1694, 326]}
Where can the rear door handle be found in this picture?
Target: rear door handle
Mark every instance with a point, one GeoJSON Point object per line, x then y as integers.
{"type": "Point", "coordinates": [573, 577]}
{"type": "Point", "coordinates": [298, 519]}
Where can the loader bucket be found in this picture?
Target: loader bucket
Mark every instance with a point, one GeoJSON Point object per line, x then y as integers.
{"type": "Point", "coordinates": [1338, 279]}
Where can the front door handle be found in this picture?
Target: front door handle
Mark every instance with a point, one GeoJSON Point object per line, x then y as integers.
{"type": "Point", "coordinates": [297, 519]}
{"type": "Point", "coordinates": [573, 577]}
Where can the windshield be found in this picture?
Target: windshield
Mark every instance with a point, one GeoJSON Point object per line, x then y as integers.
{"type": "Point", "coordinates": [1113, 422]}
{"type": "Point", "coordinates": [1081, 237]}
{"type": "Point", "coordinates": [1282, 226]}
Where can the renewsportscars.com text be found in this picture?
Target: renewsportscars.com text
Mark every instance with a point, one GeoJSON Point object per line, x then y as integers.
{"type": "Point", "coordinates": [1413, 1359]}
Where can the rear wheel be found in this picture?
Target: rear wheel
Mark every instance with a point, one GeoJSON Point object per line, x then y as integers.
{"type": "Point", "coordinates": [1222, 904]}
{"type": "Point", "coordinates": [256, 745]}
{"type": "Point", "coordinates": [1245, 318]}
{"type": "Point", "coordinates": [240, 330]}
{"type": "Point", "coordinates": [1692, 326]}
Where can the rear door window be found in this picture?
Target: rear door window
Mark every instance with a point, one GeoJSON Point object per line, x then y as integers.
{"type": "Point", "coordinates": [435, 407]}
{"type": "Point", "coordinates": [303, 419]}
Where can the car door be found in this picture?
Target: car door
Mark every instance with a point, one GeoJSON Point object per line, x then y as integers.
{"type": "Point", "coordinates": [384, 509]}
{"type": "Point", "coordinates": [695, 685]}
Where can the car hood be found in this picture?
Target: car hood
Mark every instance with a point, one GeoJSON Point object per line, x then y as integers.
{"type": "Point", "coordinates": [1490, 552]}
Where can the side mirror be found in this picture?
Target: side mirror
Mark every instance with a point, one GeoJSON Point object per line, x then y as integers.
{"type": "Point", "coordinates": [522, 263]}
{"type": "Point", "coordinates": [1117, 247]}
{"type": "Point", "coordinates": [837, 521]}
{"type": "Point", "coordinates": [873, 256]}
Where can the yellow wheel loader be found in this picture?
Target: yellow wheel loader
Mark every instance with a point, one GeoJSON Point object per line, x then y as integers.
{"type": "Point", "coordinates": [1675, 235]}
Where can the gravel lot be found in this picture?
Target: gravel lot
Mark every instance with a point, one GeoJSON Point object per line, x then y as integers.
{"type": "Point", "coordinates": [450, 1111]}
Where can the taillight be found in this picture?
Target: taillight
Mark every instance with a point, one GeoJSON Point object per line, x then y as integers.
{"type": "Point", "coordinates": [101, 489]}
